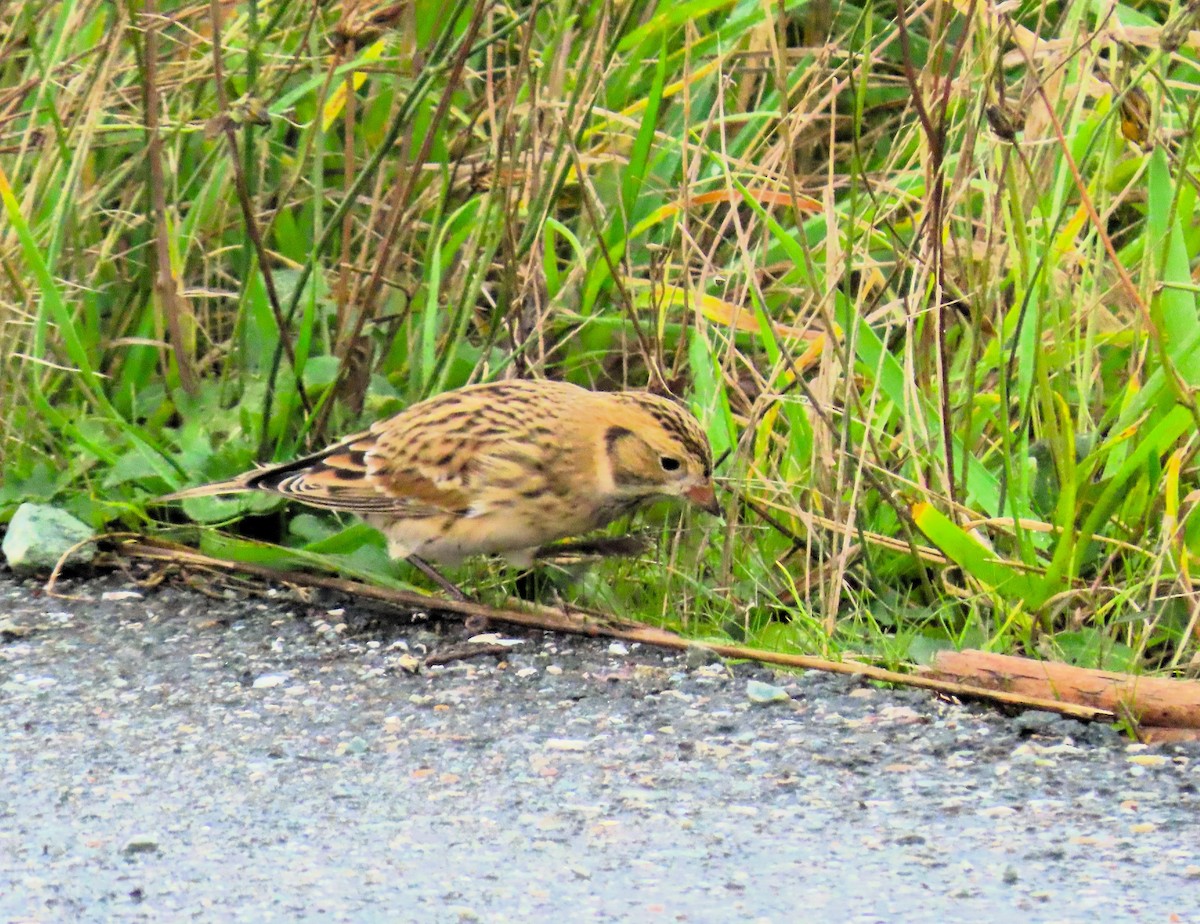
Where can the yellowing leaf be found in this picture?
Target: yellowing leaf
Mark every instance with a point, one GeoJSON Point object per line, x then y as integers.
{"type": "Point", "coordinates": [980, 562]}
{"type": "Point", "coordinates": [1065, 240]}
{"type": "Point", "coordinates": [720, 312]}
{"type": "Point", "coordinates": [761, 194]}
{"type": "Point", "coordinates": [337, 99]}
{"type": "Point", "coordinates": [671, 89]}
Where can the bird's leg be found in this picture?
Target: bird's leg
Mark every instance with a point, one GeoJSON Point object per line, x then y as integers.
{"type": "Point", "coordinates": [473, 624]}
{"type": "Point", "coordinates": [438, 578]}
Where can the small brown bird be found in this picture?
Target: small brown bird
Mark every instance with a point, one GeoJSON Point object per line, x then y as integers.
{"type": "Point", "coordinates": [502, 468]}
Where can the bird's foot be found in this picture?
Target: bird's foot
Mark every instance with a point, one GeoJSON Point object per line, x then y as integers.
{"type": "Point", "coordinates": [438, 578]}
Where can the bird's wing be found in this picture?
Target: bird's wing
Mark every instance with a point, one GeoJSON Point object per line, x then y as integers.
{"type": "Point", "coordinates": [359, 476]}
{"type": "Point", "coordinates": [458, 454]}
{"type": "Point", "coordinates": [462, 458]}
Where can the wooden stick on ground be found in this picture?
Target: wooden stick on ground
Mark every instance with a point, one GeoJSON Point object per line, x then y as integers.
{"type": "Point", "coordinates": [1152, 701]}
{"type": "Point", "coordinates": [1151, 734]}
{"type": "Point", "coordinates": [535, 616]}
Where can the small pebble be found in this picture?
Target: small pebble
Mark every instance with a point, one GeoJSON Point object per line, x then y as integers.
{"type": "Point", "coordinates": [1037, 722]}
{"type": "Point", "coordinates": [762, 693]}
{"type": "Point", "coordinates": [10, 629]}
{"type": "Point", "coordinates": [493, 638]}
{"type": "Point", "coordinates": [140, 843]}
{"type": "Point", "coordinates": [565, 744]}
{"type": "Point", "coordinates": [698, 656]}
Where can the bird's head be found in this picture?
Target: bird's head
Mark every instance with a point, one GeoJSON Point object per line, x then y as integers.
{"type": "Point", "coordinates": [656, 448]}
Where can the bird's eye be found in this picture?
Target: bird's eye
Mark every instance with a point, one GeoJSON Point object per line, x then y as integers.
{"type": "Point", "coordinates": [669, 464]}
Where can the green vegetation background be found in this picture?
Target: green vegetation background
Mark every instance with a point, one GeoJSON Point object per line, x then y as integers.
{"type": "Point", "coordinates": [925, 271]}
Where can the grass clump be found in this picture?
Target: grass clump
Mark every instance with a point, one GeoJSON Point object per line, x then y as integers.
{"type": "Point", "coordinates": [925, 273]}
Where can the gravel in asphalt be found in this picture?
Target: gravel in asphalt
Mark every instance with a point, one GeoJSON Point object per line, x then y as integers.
{"type": "Point", "coordinates": [168, 756]}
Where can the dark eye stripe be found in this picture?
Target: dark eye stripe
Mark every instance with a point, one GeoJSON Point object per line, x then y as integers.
{"type": "Point", "coordinates": [615, 435]}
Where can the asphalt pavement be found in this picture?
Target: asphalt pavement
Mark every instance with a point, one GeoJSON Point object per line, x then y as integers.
{"type": "Point", "coordinates": [173, 756]}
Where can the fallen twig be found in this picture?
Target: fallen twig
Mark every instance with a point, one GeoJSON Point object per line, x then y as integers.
{"type": "Point", "coordinates": [536, 616]}
{"type": "Point", "coordinates": [465, 653]}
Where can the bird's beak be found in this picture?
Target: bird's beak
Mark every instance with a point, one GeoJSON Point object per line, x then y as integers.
{"type": "Point", "coordinates": [703, 496]}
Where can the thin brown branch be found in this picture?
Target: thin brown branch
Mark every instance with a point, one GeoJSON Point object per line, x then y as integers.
{"type": "Point", "coordinates": [366, 302]}
{"type": "Point", "coordinates": [170, 301]}
{"type": "Point", "coordinates": [227, 124]}
{"type": "Point", "coordinates": [534, 616]}
{"type": "Point", "coordinates": [657, 381]}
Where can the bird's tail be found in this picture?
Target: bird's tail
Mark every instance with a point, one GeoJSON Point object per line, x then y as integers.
{"type": "Point", "coordinates": [232, 486]}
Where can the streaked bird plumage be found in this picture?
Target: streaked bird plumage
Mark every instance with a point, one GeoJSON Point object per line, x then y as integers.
{"type": "Point", "coordinates": [502, 468]}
